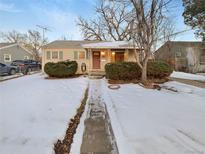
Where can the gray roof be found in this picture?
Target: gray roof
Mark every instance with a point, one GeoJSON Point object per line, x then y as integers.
{"type": "Point", "coordinates": [186, 43]}
{"type": "Point", "coordinates": [67, 44]}
{"type": "Point", "coordinates": [5, 44]}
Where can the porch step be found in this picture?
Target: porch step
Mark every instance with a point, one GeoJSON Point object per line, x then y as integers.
{"type": "Point", "coordinates": [96, 74]}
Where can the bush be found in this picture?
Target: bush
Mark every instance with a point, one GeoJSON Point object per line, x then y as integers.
{"type": "Point", "coordinates": [123, 71]}
{"type": "Point", "coordinates": [131, 70]}
{"type": "Point", "coordinates": [61, 69]}
{"type": "Point", "coordinates": [158, 69]}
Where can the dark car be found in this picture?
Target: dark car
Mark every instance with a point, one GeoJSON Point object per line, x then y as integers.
{"type": "Point", "coordinates": [26, 66]}
{"type": "Point", "coordinates": [5, 69]}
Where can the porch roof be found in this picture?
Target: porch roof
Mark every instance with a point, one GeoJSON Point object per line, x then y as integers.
{"type": "Point", "coordinates": [109, 45]}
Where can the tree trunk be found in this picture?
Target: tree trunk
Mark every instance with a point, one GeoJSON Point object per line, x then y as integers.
{"type": "Point", "coordinates": [144, 71]}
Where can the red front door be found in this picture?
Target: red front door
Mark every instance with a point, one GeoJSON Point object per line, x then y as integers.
{"type": "Point", "coordinates": [96, 59]}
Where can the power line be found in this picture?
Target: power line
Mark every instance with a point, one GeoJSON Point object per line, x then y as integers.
{"type": "Point", "coordinates": [44, 29]}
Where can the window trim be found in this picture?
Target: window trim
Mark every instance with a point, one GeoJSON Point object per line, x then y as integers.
{"type": "Point", "coordinates": [61, 58]}
{"type": "Point", "coordinates": [78, 55]}
{"type": "Point", "coordinates": [202, 56]}
{"type": "Point", "coordinates": [52, 55]}
{"type": "Point", "coordinates": [27, 58]}
{"type": "Point", "coordinates": [9, 55]}
{"type": "Point", "coordinates": [48, 53]}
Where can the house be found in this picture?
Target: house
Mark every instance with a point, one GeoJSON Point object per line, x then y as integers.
{"type": "Point", "coordinates": [183, 56]}
{"type": "Point", "coordinates": [13, 51]}
{"type": "Point", "coordinates": [95, 54]}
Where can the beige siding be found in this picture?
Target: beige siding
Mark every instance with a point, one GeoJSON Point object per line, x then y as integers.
{"type": "Point", "coordinates": [68, 54]}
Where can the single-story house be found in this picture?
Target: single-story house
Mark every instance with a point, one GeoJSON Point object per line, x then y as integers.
{"type": "Point", "coordinates": [13, 51]}
{"type": "Point", "coordinates": [95, 54]}
{"type": "Point", "coordinates": [183, 56]}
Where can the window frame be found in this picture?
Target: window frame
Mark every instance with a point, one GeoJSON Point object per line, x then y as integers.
{"type": "Point", "coordinates": [48, 53]}
{"type": "Point", "coordinates": [9, 55]}
{"type": "Point", "coordinates": [27, 58]}
{"type": "Point", "coordinates": [57, 56]}
{"type": "Point", "coordinates": [76, 55]}
{"type": "Point", "coordinates": [202, 56]}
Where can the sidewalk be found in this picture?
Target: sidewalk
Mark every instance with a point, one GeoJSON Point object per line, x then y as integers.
{"type": "Point", "coordinates": [98, 137]}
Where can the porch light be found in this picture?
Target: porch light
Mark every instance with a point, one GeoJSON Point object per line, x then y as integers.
{"type": "Point", "coordinates": [102, 53]}
{"type": "Point", "coordinates": [113, 53]}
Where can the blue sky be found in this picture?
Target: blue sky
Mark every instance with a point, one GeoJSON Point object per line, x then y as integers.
{"type": "Point", "coordinates": [61, 16]}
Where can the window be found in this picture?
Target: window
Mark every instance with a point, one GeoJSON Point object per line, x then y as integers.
{"type": "Point", "coordinates": [48, 55]}
{"type": "Point", "coordinates": [61, 55]}
{"type": "Point", "coordinates": [54, 54]}
{"type": "Point", "coordinates": [202, 57]}
{"type": "Point", "coordinates": [26, 57]}
{"type": "Point", "coordinates": [81, 55]}
{"type": "Point", "coordinates": [87, 55]}
{"type": "Point", "coordinates": [75, 54]}
{"type": "Point", "coordinates": [178, 54]}
{"type": "Point", "coordinates": [2, 65]}
{"type": "Point", "coordinates": [7, 58]}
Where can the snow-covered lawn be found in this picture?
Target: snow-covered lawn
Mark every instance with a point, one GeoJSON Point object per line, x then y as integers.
{"type": "Point", "coordinates": [154, 122]}
{"type": "Point", "coordinates": [189, 76]}
{"type": "Point", "coordinates": [34, 112]}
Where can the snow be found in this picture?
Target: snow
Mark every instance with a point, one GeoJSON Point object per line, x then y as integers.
{"type": "Point", "coordinates": [150, 121]}
{"type": "Point", "coordinates": [114, 44]}
{"type": "Point", "coordinates": [34, 112]}
{"type": "Point", "coordinates": [2, 78]}
{"type": "Point", "coordinates": [189, 76]}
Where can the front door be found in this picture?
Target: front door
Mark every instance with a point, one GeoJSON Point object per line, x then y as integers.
{"type": "Point", "coordinates": [119, 56]}
{"type": "Point", "coordinates": [96, 59]}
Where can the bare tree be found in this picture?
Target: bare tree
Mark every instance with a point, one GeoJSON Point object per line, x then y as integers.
{"type": "Point", "coordinates": [13, 37]}
{"type": "Point", "coordinates": [149, 22]}
{"type": "Point", "coordinates": [110, 24]}
{"type": "Point", "coordinates": [34, 42]}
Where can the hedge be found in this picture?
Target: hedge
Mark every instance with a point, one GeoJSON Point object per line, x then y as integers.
{"type": "Point", "coordinates": [158, 69]}
{"type": "Point", "coordinates": [61, 69]}
{"type": "Point", "coordinates": [122, 71]}
{"type": "Point", "coordinates": [132, 71]}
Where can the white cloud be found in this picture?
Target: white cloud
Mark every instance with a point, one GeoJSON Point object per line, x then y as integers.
{"type": "Point", "coordinates": [8, 7]}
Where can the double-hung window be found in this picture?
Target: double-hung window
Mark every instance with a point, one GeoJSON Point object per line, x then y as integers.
{"type": "Point", "coordinates": [54, 54]}
{"type": "Point", "coordinates": [79, 55]}
{"type": "Point", "coordinates": [7, 58]}
{"type": "Point", "coordinates": [48, 55]}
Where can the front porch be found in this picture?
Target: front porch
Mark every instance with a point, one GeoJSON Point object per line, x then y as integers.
{"type": "Point", "coordinates": [100, 57]}
{"type": "Point", "coordinates": [102, 53]}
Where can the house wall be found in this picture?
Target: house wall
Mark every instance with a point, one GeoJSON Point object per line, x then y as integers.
{"type": "Point", "coordinates": [16, 52]}
{"type": "Point", "coordinates": [68, 54]}
{"type": "Point", "coordinates": [182, 56]}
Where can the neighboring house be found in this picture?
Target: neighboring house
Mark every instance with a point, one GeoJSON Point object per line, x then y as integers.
{"type": "Point", "coordinates": [183, 56]}
{"type": "Point", "coordinates": [94, 54]}
{"type": "Point", "coordinates": [13, 51]}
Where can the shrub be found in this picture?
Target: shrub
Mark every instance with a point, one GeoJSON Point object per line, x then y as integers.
{"type": "Point", "coordinates": [61, 69]}
{"type": "Point", "coordinates": [131, 70]}
{"type": "Point", "coordinates": [158, 69]}
{"type": "Point", "coordinates": [123, 71]}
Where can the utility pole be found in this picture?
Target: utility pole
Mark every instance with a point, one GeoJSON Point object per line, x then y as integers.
{"type": "Point", "coordinates": [44, 29]}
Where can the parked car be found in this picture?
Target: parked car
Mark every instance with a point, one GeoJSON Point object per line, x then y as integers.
{"type": "Point", "coordinates": [26, 66]}
{"type": "Point", "coordinates": [8, 70]}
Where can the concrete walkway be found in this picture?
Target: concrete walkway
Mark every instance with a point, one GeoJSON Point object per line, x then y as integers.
{"type": "Point", "coordinates": [98, 137]}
